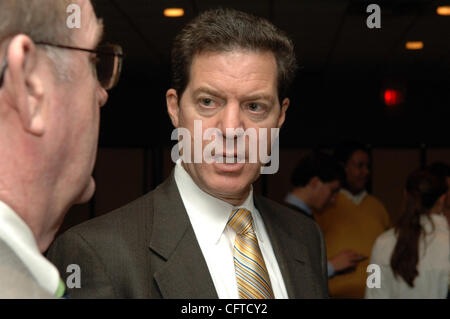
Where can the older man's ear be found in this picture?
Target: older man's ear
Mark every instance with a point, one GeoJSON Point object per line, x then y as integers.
{"type": "Point", "coordinates": [173, 107]}
{"type": "Point", "coordinates": [23, 87]}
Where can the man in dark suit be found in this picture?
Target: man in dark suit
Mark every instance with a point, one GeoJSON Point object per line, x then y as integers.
{"type": "Point", "coordinates": [316, 181]}
{"type": "Point", "coordinates": [50, 101]}
{"type": "Point", "coordinates": [203, 233]}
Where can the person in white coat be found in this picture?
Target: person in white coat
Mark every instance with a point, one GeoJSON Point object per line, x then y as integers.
{"type": "Point", "coordinates": [414, 256]}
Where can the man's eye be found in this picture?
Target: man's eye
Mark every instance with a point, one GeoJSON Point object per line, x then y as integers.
{"type": "Point", "coordinates": [207, 102]}
{"type": "Point", "coordinates": [255, 107]}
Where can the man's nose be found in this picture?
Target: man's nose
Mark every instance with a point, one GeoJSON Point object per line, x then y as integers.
{"type": "Point", "coordinates": [230, 117]}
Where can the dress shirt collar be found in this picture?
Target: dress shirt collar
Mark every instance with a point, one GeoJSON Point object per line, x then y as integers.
{"type": "Point", "coordinates": [298, 202]}
{"type": "Point", "coordinates": [356, 199]}
{"type": "Point", "coordinates": [19, 237]}
{"type": "Point", "coordinates": [208, 214]}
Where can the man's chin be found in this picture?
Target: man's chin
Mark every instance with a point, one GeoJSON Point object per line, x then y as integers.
{"type": "Point", "coordinates": [225, 186]}
{"type": "Point", "coordinates": [87, 192]}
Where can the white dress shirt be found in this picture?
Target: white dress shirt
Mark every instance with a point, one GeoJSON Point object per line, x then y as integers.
{"type": "Point", "coordinates": [18, 236]}
{"type": "Point", "coordinates": [433, 265]}
{"type": "Point", "coordinates": [357, 199]}
{"type": "Point", "coordinates": [209, 217]}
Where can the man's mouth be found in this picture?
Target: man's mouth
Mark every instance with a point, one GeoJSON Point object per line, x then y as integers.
{"type": "Point", "coordinates": [229, 158]}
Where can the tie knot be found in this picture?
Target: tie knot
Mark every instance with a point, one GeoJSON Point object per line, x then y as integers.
{"type": "Point", "coordinates": [241, 221]}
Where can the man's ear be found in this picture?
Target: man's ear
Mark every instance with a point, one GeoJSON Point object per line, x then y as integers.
{"type": "Point", "coordinates": [173, 107]}
{"type": "Point", "coordinates": [282, 117]}
{"type": "Point", "coordinates": [23, 86]}
{"type": "Point", "coordinates": [315, 182]}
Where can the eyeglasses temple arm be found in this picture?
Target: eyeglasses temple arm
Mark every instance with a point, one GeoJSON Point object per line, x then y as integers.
{"type": "Point", "coordinates": [2, 71]}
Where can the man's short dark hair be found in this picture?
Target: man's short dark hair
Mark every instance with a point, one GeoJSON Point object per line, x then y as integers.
{"type": "Point", "coordinates": [223, 30]}
{"type": "Point", "coordinates": [439, 169]}
{"type": "Point", "coordinates": [317, 164]}
{"type": "Point", "coordinates": [345, 150]}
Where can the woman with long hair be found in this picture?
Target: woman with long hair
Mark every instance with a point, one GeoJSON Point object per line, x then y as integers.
{"type": "Point", "coordinates": [414, 255]}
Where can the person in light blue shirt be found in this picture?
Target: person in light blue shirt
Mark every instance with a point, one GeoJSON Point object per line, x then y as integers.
{"type": "Point", "coordinates": [317, 180]}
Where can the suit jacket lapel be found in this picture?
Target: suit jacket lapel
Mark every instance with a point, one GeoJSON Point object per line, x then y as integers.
{"type": "Point", "coordinates": [185, 273]}
{"type": "Point", "coordinates": [291, 254]}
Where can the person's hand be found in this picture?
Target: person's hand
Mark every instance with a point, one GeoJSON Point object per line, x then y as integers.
{"type": "Point", "coordinates": [346, 260]}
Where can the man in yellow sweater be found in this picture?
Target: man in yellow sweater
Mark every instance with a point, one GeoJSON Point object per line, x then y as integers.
{"type": "Point", "coordinates": [354, 221]}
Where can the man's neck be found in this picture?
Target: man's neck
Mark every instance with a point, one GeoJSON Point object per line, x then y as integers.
{"type": "Point", "coordinates": [354, 192]}
{"type": "Point", "coordinates": [303, 195]}
{"type": "Point", "coordinates": [32, 213]}
{"type": "Point", "coordinates": [232, 199]}
{"type": "Point", "coordinates": [235, 200]}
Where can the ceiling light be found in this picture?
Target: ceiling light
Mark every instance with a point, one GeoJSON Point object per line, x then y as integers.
{"type": "Point", "coordinates": [443, 10]}
{"type": "Point", "coordinates": [414, 45]}
{"type": "Point", "coordinates": [174, 12]}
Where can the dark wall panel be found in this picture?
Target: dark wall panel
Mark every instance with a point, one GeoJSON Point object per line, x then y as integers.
{"type": "Point", "coordinates": [390, 168]}
{"type": "Point", "coordinates": [119, 175]}
{"type": "Point", "coordinates": [438, 155]}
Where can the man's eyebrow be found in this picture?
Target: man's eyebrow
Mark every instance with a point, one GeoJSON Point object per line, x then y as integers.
{"type": "Point", "coordinates": [209, 91]}
{"type": "Point", "coordinates": [266, 97]}
{"type": "Point", "coordinates": [257, 96]}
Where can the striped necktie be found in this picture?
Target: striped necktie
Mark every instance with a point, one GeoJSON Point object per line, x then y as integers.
{"type": "Point", "coordinates": [252, 278]}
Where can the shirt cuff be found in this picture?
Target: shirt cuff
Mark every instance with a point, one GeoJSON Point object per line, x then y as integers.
{"type": "Point", "coordinates": [331, 271]}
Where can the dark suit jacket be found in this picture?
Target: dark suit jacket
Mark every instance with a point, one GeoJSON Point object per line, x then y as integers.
{"type": "Point", "coordinates": [148, 249]}
{"type": "Point", "coordinates": [298, 209]}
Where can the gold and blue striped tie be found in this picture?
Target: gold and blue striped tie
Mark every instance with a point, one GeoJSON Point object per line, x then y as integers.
{"type": "Point", "coordinates": [252, 278]}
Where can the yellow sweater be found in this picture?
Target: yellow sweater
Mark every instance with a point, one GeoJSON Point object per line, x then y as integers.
{"type": "Point", "coordinates": [346, 225]}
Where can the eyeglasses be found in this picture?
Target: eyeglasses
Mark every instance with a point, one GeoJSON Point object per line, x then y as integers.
{"type": "Point", "coordinates": [2, 72]}
{"type": "Point", "coordinates": [108, 62]}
